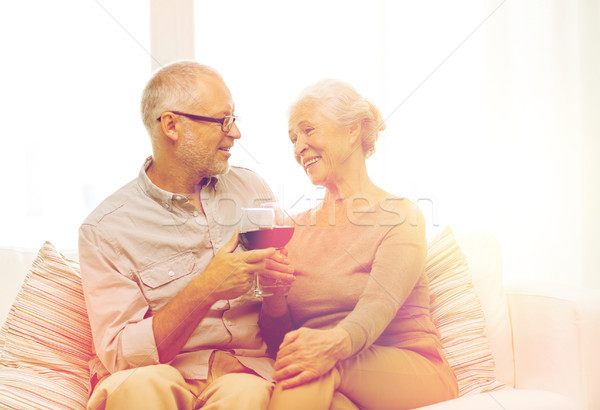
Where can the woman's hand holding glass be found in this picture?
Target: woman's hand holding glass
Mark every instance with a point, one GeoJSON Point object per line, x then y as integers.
{"type": "Point", "coordinates": [278, 275]}
{"type": "Point", "coordinates": [259, 230]}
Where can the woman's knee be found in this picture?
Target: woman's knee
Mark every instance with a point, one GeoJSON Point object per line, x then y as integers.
{"type": "Point", "coordinates": [316, 394]}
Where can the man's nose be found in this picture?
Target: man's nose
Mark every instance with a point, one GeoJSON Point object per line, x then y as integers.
{"type": "Point", "coordinates": [234, 132]}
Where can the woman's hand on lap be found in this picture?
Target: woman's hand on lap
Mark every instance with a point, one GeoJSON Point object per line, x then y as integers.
{"type": "Point", "coordinates": [307, 354]}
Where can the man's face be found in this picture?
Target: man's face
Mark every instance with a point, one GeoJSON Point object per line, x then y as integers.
{"type": "Point", "coordinates": [203, 147]}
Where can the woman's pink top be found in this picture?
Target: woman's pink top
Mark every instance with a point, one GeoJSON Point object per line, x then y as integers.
{"type": "Point", "coordinates": [365, 275]}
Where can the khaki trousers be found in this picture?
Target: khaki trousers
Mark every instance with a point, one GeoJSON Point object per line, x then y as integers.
{"type": "Point", "coordinates": [380, 378]}
{"type": "Point", "coordinates": [230, 385]}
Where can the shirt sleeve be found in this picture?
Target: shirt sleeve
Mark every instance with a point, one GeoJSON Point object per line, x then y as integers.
{"type": "Point", "coordinates": [398, 263]}
{"type": "Point", "coordinates": [122, 334]}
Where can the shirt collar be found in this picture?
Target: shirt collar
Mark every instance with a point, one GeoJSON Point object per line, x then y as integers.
{"type": "Point", "coordinates": [165, 198]}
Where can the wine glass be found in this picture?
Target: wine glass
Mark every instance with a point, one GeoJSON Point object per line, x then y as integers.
{"type": "Point", "coordinates": [259, 230]}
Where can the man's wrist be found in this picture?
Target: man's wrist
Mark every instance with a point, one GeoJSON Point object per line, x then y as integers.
{"type": "Point", "coordinates": [204, 292]}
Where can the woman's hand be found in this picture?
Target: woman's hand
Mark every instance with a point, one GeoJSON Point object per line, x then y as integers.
{"type": "Point", "coordinates": [276, 304]}
{"type": "Point", "coordinates": [307, 354]}
{"type": "Point", "coordinates": [278, 270]}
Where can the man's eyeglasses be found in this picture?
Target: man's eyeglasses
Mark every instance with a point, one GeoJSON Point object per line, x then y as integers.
{"type": "Point", "coordinates": [226, 122]}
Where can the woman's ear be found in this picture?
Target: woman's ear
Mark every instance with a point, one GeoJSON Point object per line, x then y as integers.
{"type": "Point", "coordinates": [355, 132]}
{"type": "Point", "coordinates": [169, 126]}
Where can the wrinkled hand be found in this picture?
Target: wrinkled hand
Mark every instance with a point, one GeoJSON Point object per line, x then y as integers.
{"type": "Point", "coordinates": [278, 276]}
{"type": "Point", "coordinates": [280, 279]}
{"type": "Point", "coordinates": [307, 354]}
{"type": "Point", "coordinates": [230, 274]}
{"type": "Point", "coordinates": [275, 305]}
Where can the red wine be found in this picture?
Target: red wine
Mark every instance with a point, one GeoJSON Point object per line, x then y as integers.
{"type": "Point", "coordinates": [273, 237]}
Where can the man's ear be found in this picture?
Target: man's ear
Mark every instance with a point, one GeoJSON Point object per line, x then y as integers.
{"type": "Point", "coordinates": [169, 126]}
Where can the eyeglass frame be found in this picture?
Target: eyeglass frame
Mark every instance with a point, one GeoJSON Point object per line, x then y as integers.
{"type": "Point", "coordinates": [208, 119]}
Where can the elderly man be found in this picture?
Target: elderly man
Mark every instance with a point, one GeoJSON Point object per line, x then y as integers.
{"type": "Point", "coordinates": [165, 291]}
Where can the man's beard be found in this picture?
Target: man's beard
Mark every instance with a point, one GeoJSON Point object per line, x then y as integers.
{"type": "Point", "coordinates": [198, 159]}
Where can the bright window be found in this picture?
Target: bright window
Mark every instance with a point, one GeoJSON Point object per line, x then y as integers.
{"type": "Point", "coordinates": [72, 74]}
{"type": "Point", "coordinates": [490, 107]}
{"type": "Point", "coordinates": [481, 101]}
{"type": "Point", "coordinates": [404, 56]}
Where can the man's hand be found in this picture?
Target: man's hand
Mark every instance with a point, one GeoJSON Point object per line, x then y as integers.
{"type": "Point", "coordinates": [227, 276]}
{"type": "Point", "coordinates": [307, 354]}
{"type": "Point", "coordinates": [230, 274]}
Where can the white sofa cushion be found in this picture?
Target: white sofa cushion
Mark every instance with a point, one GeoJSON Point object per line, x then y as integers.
{"type": "Point", "coordinates": [510, 399]}
{"type": "Point", "coordinates": [14, 264]}
{"type": "Point", "coordinates": [556, 328]}
{"type": "Point", "coordinates": [484, 255]}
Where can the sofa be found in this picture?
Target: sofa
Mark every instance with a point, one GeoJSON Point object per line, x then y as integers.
{"type": "Point", "coordinates": [529, 346]}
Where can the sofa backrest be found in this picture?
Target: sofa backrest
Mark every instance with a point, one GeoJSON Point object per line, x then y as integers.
{"type": "Point", "coordinates": [14, 265]}
{"type": "Point", "coordinates": [484, 256]}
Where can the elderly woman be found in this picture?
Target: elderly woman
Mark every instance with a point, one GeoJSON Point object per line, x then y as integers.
{"type": "Point", "coordinates": [358, 332]}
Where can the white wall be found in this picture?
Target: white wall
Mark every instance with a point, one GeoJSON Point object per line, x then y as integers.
{"type": "Point", "coordinates": [537, 52]}
{"type": "Point", "coordinates": [589, 32]}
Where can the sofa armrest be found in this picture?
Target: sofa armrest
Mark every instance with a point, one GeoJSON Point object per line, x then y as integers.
{"type": "Point", "coordinates": [556, 329]}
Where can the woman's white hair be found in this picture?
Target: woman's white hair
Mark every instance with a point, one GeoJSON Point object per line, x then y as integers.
{"type": "Point", "coordinates": [170, 88]}
{"type": "Point", "coordinates": [340, 102]}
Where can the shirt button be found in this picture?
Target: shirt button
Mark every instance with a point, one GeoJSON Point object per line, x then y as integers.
{"type": "Point", "coordinates": [195, 213]}
{"type": "Point", "coordinates": [166, 205]}
{"type": "Point", "coordinates": [171, 273]}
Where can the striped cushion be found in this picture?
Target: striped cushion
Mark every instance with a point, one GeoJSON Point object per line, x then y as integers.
{"type": "Point", "coordinates": [46, 339]}
{"type": "Point", "coordinates": [457, 313]}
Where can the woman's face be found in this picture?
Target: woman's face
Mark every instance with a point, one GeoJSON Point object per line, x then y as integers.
{"type": "Point", "coordinates": [321, 146]}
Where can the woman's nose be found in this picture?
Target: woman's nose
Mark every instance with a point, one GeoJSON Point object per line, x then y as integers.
{"type": "Point", "coordinates": [299, 146]}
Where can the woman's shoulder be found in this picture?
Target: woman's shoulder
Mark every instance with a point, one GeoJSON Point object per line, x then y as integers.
{"type": "Point", "coordinates": [397, 210]}
{"type": "Point", "coordinates": [383, 210]}
{"type": "Point", "coordinates": [299, 218]}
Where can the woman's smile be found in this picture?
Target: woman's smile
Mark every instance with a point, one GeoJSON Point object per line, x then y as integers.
{"type": "Point", "coordinates": [308, 162]}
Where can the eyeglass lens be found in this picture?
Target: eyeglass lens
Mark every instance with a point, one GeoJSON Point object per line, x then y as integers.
{"type": "Point", "coordinates": [228, 123]}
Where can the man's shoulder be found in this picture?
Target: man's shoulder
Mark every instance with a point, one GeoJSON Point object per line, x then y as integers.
{"type": "Point", "coordinates": [237, 171]}
{"type": "Point", "coordinates": [112, 203]}
{"type": "Point", "coordinates": [244, 176]}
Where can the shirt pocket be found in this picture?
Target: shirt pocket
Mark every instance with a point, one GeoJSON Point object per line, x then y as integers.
{"type": "Point", "coordinates": [162, 280]}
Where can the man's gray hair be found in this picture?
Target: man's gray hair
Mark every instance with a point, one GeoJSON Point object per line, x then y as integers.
{"type": "Point", "coordinates": [169, 88]}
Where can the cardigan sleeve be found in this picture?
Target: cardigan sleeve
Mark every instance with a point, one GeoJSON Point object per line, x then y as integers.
{"type": "Point", "coordinates": [399, 262]}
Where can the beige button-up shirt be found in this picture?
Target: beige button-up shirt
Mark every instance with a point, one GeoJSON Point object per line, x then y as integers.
{"type": "Point", "coordinates": [140, 247]}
